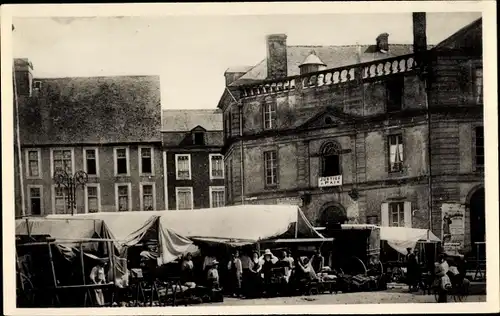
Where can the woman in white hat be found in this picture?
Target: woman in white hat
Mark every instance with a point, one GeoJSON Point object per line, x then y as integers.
{"type": "Point", "coordinates": [269, 260]}
{"type": "Point", "coordinates": [213, 274]}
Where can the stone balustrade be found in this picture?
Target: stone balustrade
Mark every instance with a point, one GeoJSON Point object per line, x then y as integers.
{"type": "Point", "coordinates": [362, 72]}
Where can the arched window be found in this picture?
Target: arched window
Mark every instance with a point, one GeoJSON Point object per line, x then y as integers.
{"type": "Point", "coordinates": [330, 159]}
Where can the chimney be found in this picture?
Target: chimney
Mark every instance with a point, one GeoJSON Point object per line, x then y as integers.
{"type": "Point", "coordinates": [233, 75]}
{"type": "Point", "coordinates": [24, 77]}
{"type": "Point", "coordinates": [383, 43]}
{"type": "Point", "coordinates": [277, 66]}
{"type": "Point", "coordinates": [419, 33]}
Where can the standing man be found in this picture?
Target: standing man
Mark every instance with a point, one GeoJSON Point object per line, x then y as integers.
{"type": "Point", "coordinates": [411, 268]}
{"type": "Point", "coordinates": [235, 273]}
{"type": "Point", "coordinates": [245, 265]}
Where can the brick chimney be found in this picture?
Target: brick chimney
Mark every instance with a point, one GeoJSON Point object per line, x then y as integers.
{"type": "Point", "coordinates": [24, 77]}
{"type": "Point", "coordinates": [419, 32]}
{"type": "Point", "coordinates": [383, 43]}
{"type": "Point", "coordinates": [277, 66]}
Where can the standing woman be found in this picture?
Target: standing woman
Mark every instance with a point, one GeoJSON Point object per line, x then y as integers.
{"type": "Point", "coordinates": [255, 279]}
{"type": "Point", "coordinates": [98, 276]}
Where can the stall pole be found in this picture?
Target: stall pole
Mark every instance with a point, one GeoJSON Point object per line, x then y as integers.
{"type": "Point", "coordinates": [297, 228]}
{"type": "Point", "coordinates": [55, 298]}
{"type": "Point", "coordinates": [81, 261]}
{"type": "Point", "coordinates": [28, 227]}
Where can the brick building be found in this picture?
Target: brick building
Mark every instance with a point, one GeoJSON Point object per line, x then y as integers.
{"type": "Point", "coordinates": [346, 132]}
{"type": "Point", "coordinates": [192, 141]}
{"type": "Point", "coordinates": [109, 127]}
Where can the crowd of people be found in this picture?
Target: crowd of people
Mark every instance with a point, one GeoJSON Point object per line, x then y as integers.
{"type": "Point", "coordinates": [248, 273]}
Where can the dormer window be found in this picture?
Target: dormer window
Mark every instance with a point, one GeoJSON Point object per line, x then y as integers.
{"type": "Point", "coordinates": [37, 85]}
{"type": "Point", "coordinates": [198, 138]}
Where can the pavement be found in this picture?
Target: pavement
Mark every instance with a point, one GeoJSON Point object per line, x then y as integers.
{"type": "Point", "coordinates": [380, 297]}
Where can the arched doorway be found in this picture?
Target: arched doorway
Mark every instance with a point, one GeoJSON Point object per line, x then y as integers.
{"type": "Point", "coordinates": [332, 213]}
{"type": "Point", "coordinates": [477, 216]}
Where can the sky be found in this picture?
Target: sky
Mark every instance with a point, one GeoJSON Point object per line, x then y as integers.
{"type": "Point", "coordinates": [191, 53]}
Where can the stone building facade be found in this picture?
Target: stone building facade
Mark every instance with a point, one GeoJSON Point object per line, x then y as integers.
{"type": "Point", "coordinates": [383, 134]}
{"type": "Point", "coordinates": [109, 127]}
{"type": "Point", "coordinates": [194, 168]}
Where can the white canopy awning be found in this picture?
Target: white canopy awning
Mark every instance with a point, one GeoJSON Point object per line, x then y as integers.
{"type": "Point", "coordinates": [401, 238]}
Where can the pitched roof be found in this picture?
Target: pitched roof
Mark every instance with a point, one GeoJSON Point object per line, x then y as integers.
{"type": "Point", "coordinates": [92, 110]}
{"type": "Point", "coordinates": [312, 59]}
{"type": "Point", "coordinates": [468, 35]}
{"type": "Point", "coordinates": [332, 56]}
{"type": "Point", "coordinates": [186, 120]}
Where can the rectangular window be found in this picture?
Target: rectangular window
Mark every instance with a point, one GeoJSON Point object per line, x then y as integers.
{"type": "Point", "coordinates": [269, 115]}
{"type": "Point", "coordinates": [478, 85]}
{"type": "Point", "coordinates": [148, 201]}
{"type": "Point", "coordinates": [394, 93]}
{"type": "Point", "coordinates": [397, 214]}
{"type": "Point", "coordinates": [146, 160]}
{"type": "Point", "coordinates": [62, 160]}
{"type": "Point", "coordinates": [183, 167]}
{"type": "Point", "coordinates": [90, 156]}
{"type": "Point", "coordinates": [271, 169]}
{"type": "Point", "coordinates": [121, 162]}
{"type": "Point", "coordinates": [480, 147]}
{"type": "Point", "coordinates": [228, 125]}
{"type": "Point", "coordinates": [199, 138]}
{"type": "Point", "coordinates": [35, 200]}
{"type": "Point", "coordinates": [92, 198]}
{"type": "Point", "coordinates": [217, 196]}
{"type": "Point", "coordinates": [123, 197]}
{"type": "Point", "coordinates": [60, 202]}
{"type": "Point", "coordinates": [395, 143]}
{"type": "Point", "coordinates": [184, 198]}
{"type": "Point", "coordinates": [229, 180]}
{"type": "Point", "coordinates": [216, 166]}
{"type": "Point", "coordinates": [33, 166]}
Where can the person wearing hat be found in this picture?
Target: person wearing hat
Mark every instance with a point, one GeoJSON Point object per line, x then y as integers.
{"type": "Point", "coordinates": [213, 274]}
{"type": "Point", "coordinates": [269, 260]}
{"type": "Point", "coordinates": [149, 257]}
{"type": "Point", "coordinates": [411, 269]}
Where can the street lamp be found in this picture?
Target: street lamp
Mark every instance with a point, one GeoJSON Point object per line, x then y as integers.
{"type": "Point", "coordinates": [70, 183]}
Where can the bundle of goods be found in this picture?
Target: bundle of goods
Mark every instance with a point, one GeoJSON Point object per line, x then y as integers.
{"type": "Point", "coordinates": [364, 283]}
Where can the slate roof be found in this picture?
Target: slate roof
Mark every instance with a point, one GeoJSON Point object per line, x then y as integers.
{"type": "Point", "coordinates": [186, 120]}
{"type": "Point", "coordinates": [332, 56]}
{"type": "Point", "coordinates": [118, 109]}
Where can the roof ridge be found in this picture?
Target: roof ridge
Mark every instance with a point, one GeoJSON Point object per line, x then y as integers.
{"type": "Point", "coordinates": [89, 77]}
{"type": "Point", "coordinates": [192, 110]}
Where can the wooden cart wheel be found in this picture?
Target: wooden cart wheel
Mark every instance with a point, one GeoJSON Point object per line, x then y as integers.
{"type": "Point", "coordinates": [362, 264]}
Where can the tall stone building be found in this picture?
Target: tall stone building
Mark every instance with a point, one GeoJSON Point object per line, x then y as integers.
{"type": "Point", "coordinates": [386, 134]}
{"type": "Point", "coordinates": [194, 168]}
{"type": "Point", "coordinates": [109, 127]}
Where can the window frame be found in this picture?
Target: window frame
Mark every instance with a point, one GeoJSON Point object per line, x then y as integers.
{"type": "Point", "coordinates": [141, 195]}
{"type": "Point", "coordinates": [401, 210]}
{"type": "Point", "coordinates": [217, 189]}
{"type": "Point", "coordinates": [96, 149]}
{"type": "Point", "coordinates": [54, 187]}
{"type": "Point", "coordinates": [476, 167]}
{"type": "Point", "coordinates": [28, 169]}
{"type": "Point", "coordinates": [86, 202]}
{"type": "Point", "coordinates": [115, 161]}
{"type": "Point", "coordinates": [202, 138]}
{"type": "Point", "coordinates": [400, 80]}
{"type": "Point", "coordinates": [177, 190]}
{"type": "Point", "coordinates": [35, 186]}
{"type": "Point", "coordinates": [323, 155]}
{"type": "Point", "coordinates": [388, 146]}
{"type": "Point", "coordinates": [210, 156]}
{"type": "Point", "coordinates": [177, 166]}
{"type": "Point", "coordinates": [129, 186]}
{"type": "Point", "coordinates": [271, 185]}
{"type": "Point", "coordinates": [270, 108]}
{"type": "Point", "coordinates": [52, 169]}
{"type": "Point", "coordinates": [152, 173]}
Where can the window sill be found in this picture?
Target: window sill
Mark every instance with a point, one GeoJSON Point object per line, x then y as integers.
{"type": "Point", "coordinates": [33, 178]}
{"type": "Point", "coordinates": [216, 178]}
{"type": "Point", "coordinates": [183, 179]}
{"type": "Point", "coordinates": [146, 174]}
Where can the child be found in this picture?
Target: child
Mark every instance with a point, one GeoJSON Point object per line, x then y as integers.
{"type": "Point", "coordinates": [213, 275]}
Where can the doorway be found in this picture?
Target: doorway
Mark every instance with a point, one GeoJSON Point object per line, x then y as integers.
{"type": "Point", "coordinates": [477, 216]}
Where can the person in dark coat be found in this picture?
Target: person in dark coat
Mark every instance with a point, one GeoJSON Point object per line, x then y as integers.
{"type": "Point", "coordinates": [412, 269]}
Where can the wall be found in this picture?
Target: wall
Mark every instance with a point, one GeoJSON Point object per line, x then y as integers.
{"type": "Point", "coordinates": [200, 177]}
{"type": "Point", "coordinates": [106, 179]}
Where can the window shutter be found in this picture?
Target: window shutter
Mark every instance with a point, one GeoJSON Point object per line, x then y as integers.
{"type": "Point", "coordinates": [384, 215]}
{"type": "Point", "coordinates": [407, 212]}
